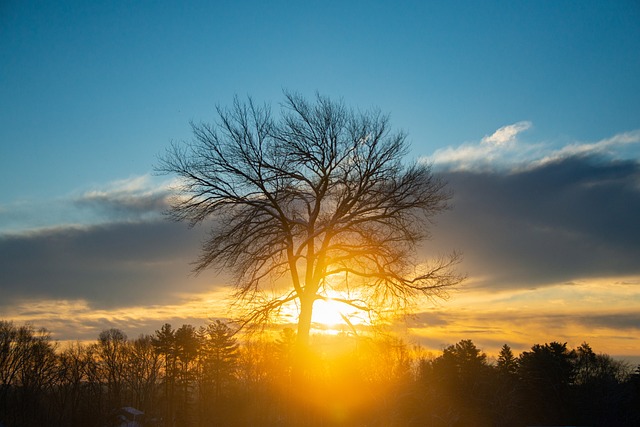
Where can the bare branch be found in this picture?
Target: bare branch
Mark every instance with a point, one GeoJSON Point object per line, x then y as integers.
{"type": "Point", "coordinates": [320, 192]}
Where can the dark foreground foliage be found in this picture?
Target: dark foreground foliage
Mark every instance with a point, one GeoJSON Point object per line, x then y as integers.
{"type": "Point", "coordinates": [204, 377]}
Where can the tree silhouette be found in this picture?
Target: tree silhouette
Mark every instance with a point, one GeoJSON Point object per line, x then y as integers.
{"type": "Point", "coordinates": [27, 373]}
{"type": "Point", "coordinates": [463, 374]}
{"type": "Point", "coordinates": [381, 381]}
{"type": "Point", "coordinates": [285, 346]}
{"type": "Point", "coordinates": [219, 353]}
{"type": "Point", "coordinates": [111, 350]}
{"type": "Point", "coordinates": [319, 195]}
{"type": "Point", "coordinates": [143, 370]}
{"type": "Point", "coordinates": [547, 372]}
{"type": "Point", "coordinates": [507, 363]}
{"type": "Point", "coordinates": [164, 342]}
{"type": "Point", "coordinates": [187, 347]}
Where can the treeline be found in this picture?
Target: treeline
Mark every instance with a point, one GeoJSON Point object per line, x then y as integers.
{"type": "Point", "coordinates": [205, 377]}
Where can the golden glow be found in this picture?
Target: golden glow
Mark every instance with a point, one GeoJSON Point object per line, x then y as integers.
{"type": "Point", "coordinates": [79, 320]}
{"type": "Point", "coordinates": [598, 311]}
{"type": "Point", "coordinates": [328, 313]}
{"type": "Point", "coordinates": [589, 310]}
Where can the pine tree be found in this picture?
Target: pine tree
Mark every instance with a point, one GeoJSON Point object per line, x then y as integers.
{"type": "Point", "coordinates": [507, 362]}
{"type": "Point", "coordinates": [219, 353]}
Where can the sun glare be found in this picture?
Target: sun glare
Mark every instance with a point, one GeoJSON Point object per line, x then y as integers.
{"type": "Point", "coordinates": [329, 316]}
{"type": "Point", "coordinates": [328, 313]}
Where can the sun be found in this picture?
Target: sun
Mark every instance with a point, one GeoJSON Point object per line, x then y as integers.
{"type": "Point", "coordinates": [328, 314]}
{"type": "Point", "coordinates": [331, 315]}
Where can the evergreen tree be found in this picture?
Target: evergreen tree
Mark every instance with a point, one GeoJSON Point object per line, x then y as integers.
{"type": "Point", "coordinates": [547, 371]}
{"type": "Point", "coordinates": [507, 362]}
{"type": "Point", "coordinates": [219, 352]}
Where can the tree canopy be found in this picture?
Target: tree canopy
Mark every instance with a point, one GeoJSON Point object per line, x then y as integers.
{"type": "Point", "coordinates": [318, 194]}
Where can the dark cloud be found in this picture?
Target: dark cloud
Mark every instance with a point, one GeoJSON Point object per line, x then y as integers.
{"type": "Point", "coordinates": [621, 321]}
{"type": "Point", "coordinates": [113, 265]}
{"type": "Point", "coordinates": [125, 204]}
{"type": "Point", "coordinates": [574, 218]}
{"type": "Point", "coordinates": [426, 319]}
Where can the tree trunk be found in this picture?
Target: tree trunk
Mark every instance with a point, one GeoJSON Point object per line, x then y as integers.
{"type": "Point", "coordinates": [302, 339]}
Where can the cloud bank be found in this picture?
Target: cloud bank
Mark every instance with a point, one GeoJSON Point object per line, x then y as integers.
{"type": "Point", "coordinates": [525, 215]}
{"type": "Point", "coordinates": [113, 251]}
{"type": "Point", "coordinates": [538, 216]}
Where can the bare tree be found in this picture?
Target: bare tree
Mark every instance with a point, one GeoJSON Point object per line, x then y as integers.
{"type": "Point", "coordinates": [111, 350]}
{"type": "Point", "coordinates": [142, 370]}
{"type": "Point", "coordinates": [319, 195]}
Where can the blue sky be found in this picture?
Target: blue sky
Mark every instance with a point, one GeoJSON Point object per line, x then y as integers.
{"type": "Point", "coordinates": [91, 91]}
{"type": "Point", "coordinates": [498, 95]}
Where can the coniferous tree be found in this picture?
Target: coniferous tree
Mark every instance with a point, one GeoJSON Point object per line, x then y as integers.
{"type": "Point", "coordinates": [547, 372]}
{"type": "Point", "coordinates": [219, 350]}
{"type": "Point", "coordinates": [462, 374]}
{"type": "Point", "coordinates": [507, 363]}
{"type": "Point", "coordinates": [507, 400]}
{"type": "Point", "coordinates": [285, 348]}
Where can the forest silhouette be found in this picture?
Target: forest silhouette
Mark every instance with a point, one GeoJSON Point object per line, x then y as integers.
{"type": "Point", "coordinates": [210, 376]}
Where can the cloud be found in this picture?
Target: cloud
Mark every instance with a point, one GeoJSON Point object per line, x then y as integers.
{"type": "Point", "coordinates": [492, 152]}
{"type": "Point", "coordinates": [525, 326]}
{"type": "Point", "coordinates": [528, 214]}
{"type": "Point", "coordinates": [134, 199]}
{"type": "Point", "coordinates": [504, 151]}
{"type": "Point", "coordinates": [129, 199]}
{"type": "Point", "coordinates": [524, 216]}
{"type": "Point", "coordinates": [109, 265]}
{"type": "Point", "coordinates": [619, 321]}
{"type": "Point", "coordinates": [608, 147]}
{"type": "Point", "coordinates": [80, 320]}
{"type": "Point", "coordinates": [506, 134]}
{"type": "Point", "coordinates": [559, 221]}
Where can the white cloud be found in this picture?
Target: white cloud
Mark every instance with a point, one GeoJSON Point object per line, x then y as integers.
{"type": "Point", "coordinates": [493, 151]}
{"type": "Point", "coordinates": [506, 134]}
{"type": "Point", "coordinates": [503, 150]}
{"type": "Point", "coordinates": [142, 185]}
{"type": "Point", "coordinates": [606, 146]}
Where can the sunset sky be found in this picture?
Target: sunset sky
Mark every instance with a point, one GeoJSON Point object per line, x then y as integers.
{"type": "Point", "coordinates": [530, 111]}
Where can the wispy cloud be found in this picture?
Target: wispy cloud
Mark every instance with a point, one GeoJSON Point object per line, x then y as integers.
{"type": "Point", "coordinates": [128, 199]}
{"type": "Point", "coordinates": [611, 147]}
{"type": "Point", "coordinates": [506, 135]}
{"type": "Point", "coordinates": [503, 150]}
{"type": "Point", "coordinates": [133, 199]}
{"type": "Point", "coordinates": [83, 320]}
{"type": "Point", "coordinates": [596, 310]}
{"type": "Point", "coordinates": [491, 152]}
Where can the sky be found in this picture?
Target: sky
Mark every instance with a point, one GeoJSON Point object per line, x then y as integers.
{"type": "Point", "coordinates": [529, 110]}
